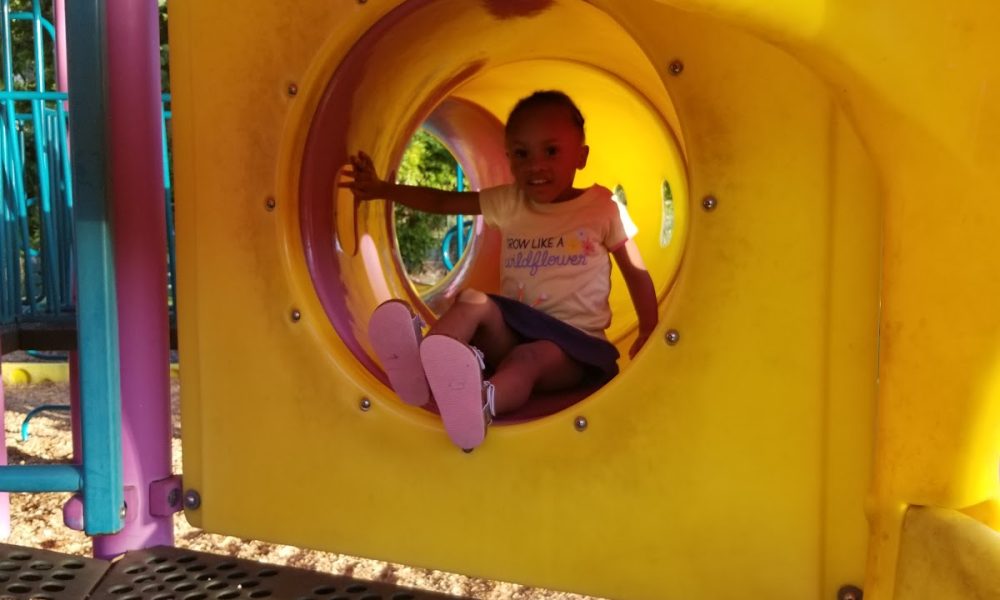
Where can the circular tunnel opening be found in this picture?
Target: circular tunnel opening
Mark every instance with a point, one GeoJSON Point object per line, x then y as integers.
{"type": "Point", "coordinates": [462, 94]}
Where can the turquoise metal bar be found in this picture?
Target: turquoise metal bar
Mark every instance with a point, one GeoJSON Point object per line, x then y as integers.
{"type": "Point", "coordinates": [49, 239]}
{"type": "Point", "coordinates": [15, 157]}
{"type": "Point", "coordinates": [27, 16]}
{"type": "Point", "coordinates": [169, 197]}
{"type": "Point", "coordinates": [460, 219]}
{"type": "Point", "coordinates": [9, 283]}
{"type": "Point", "coordinates": [63, 208]}
{"type": "Point", "coordinates": [22, 95]}
{"type": "Point", "coordinates": [26, 422]}
{"type": "Point", "coordinates": [97, 316]}
{"type": "Point", "coordinates": [41, 478]}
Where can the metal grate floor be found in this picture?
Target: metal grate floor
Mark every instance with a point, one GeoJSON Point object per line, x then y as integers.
{"type": "Point", "coordinates": [165, 573]}
{"type": "Point", "coordinates": [44, 575]}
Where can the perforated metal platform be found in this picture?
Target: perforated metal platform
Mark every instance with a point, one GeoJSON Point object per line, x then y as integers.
{"type": "Point", "coordinates": [43, 575]}
{"type": "Point", "coordinates": [173, 574]}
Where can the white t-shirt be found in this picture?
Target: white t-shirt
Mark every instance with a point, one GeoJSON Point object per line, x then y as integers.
{"type": "Point", "coordinates": [555, 257]}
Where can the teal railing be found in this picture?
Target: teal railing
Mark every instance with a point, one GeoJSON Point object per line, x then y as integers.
{"type": "Point", "coordinates": [36, 198]}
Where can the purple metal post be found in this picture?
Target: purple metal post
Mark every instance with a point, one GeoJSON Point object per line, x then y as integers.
{"type": "Point", "coordinates": [4, 497]}
{"type": "Point", "coordinates": [140, 261]}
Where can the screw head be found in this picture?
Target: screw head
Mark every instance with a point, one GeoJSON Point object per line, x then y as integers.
{"type": "Point", "coordinates": [850, 592]}
{"type": "Point", "coordinates": [673, 336]}
{"type": "Point", "coordinates": [270, 203]}
{"type": "Point", "coordinates": [192, 499]}
{"type": "Point", "coordinates": [709, 203]}
{"type": "Point", "coordinates": [123, 512]}
{"type": "Point", "coordinates": [293, 89]}
{"type": "Point", "coordinates": [296, 315]}
{"type": "Point", "coordinates": [580, 423]}
{"type": "Point", "coordinates": [676, 67]}
{"type": "Point", "coordinates": [365, 404]}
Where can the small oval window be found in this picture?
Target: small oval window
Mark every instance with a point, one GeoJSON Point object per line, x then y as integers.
{"type": "Point", "coordinates": [667, 215]}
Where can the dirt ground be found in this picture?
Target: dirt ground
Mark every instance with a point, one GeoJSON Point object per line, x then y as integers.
{"type": "Point", "coordinates": [36, 519]}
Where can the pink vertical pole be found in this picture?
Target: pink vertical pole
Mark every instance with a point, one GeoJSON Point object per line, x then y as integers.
{"type": "Point", "coordinates": [62, 74]}
{"type": "Point", "coordinates": [140, 261]}
{"type": "Point", "coordinates": [4, 497]}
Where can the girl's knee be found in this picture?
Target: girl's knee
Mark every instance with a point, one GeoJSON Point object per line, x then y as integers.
{"type": "Point", "coordinates": [472, 296]}
{"type": "Point", "coordinates": [537, 354]}
{"type": "Point", "coordinates": [545, 363]}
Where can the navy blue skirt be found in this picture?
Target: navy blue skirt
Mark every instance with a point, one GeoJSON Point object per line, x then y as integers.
{"type": "Point", "coordinates": [598, 357]}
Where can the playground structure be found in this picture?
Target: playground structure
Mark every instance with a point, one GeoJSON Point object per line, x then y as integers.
{"type": "Point", "coordinates": [821, 404]}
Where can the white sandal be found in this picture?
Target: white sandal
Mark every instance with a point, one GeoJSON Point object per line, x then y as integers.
{"type": "Point", "coordinates": [395, 334]}
{"type": "Point", "coordinates": [467, 403]}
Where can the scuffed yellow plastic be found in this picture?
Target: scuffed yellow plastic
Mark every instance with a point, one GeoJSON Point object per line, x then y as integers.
{"type": "Point", "coordinates": [839, 349]}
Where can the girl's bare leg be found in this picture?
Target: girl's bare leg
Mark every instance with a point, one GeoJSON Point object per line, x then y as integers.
{"type": "Point", "coordinates": [475, 319]}
{"type": "Point", "coordinates": [539, 365]}
{"type": "Point", "coordinates": [520, 367]}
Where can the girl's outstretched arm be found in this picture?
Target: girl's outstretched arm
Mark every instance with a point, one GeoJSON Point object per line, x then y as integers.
{"type": "Point", "coordinates": [640, 289]}
{"type": "Point", "coordinates": [365, 183]}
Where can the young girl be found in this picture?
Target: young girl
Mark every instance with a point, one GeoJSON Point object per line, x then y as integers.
{"type": "Point", "coordinates": [546, 331]}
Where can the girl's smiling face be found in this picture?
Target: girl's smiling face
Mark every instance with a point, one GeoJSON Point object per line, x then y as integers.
{"type": "Point", "coordinates": [545, 149]}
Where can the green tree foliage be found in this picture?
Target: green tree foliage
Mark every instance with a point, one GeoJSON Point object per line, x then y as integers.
{"type": "Point", "coordinates": [164, 49]}
{"type": "Point", "coordinates": [23, 53]}
{"type": "Point", "coordinates": [25, 78]}
{"type": "Point", "coordinates": [426, 162]}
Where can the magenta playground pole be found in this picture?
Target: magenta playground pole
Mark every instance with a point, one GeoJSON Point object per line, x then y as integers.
{"type": "Point", "coordinates": [140, 262]}
{"type": "Point", "coordinates": [62, 75]}
{"type": "Point", "coordinates": [4, 497]}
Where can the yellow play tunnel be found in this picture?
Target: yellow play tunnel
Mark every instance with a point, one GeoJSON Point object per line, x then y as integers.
{"type": "Point", "coordinates": [812, 184]}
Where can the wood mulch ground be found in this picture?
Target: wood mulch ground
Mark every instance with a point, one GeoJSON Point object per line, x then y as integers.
{"type": "Point", "coordinates": [36, 519]}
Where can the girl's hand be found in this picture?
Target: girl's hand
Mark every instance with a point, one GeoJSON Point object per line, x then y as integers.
{"type": "Point", "coordinates": [364, 181]}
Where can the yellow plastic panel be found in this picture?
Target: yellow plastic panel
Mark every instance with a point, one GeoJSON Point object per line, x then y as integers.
{"type": "Point", "coordinates": [732, 464]}
{"type": "Point", "coordinates": [945, 555]}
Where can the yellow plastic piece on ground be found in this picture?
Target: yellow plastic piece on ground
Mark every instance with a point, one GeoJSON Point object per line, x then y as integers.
{"type": "Point", "coordinates": [57, 372]}
{"type": "Point", "coordinates": [34, 372]}
{"type": "Point", "coordinates": [846, 262]}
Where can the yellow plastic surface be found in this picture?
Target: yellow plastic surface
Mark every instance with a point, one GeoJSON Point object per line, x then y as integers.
{"type": "Point", "coordinates": [852, 147]}
{"type": "Point", "coordinates": [945, 554]}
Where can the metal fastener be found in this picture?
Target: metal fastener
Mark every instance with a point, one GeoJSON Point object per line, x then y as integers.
{"type": "Point", "coordinates": [676, 67]}
{"type": "Point", "coordinates": [174, 497]}
{"type": "Point", "coordinates": [366, 404]}
{"type": "Point", "coordinates": [292, 89]}
{"type": "Point", "coordinates": [850, 592]}
{"type": "Point", "coordinates": [709, 203]}
{"type": "Point", "coordinates": [192, 499]}
{"type": "Point", "coordinates": [673, 336]}
{"type": "Point", "coordinates": [270, 203]}
{"type": "Point", "coordinates": [296, 315]}
{"type": "Point", "coordinates": [123, 512]}
{"type": "Point", "coordinates": [580, 423]}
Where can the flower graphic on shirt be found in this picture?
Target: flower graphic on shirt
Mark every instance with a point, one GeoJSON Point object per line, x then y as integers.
{"type": "Point", "coordinates": [587, 244]}
{"type": "Point", "coordinates": [573, 245]}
